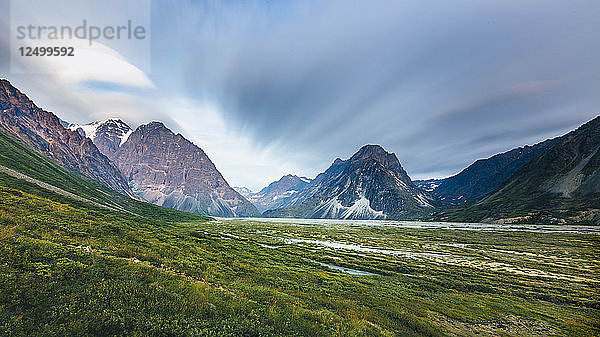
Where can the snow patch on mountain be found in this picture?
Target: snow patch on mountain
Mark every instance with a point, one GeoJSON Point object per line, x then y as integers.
{"type": "Point", "coordinates": [121, 130]}
{"type": "Point", "coordinates": [125, 137]}
{"type": "Point", "coordinates": [423, 200]}
{"type": "Point", "coordinates": [428, 185]}
{"type": "Point", "coordinates": [287, 194]}
{"type": "Point", "coordinates": [87, 130]}
{"type": "Point", "coordinates": [360, 209]}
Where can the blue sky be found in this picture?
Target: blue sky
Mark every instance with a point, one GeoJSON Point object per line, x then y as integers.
{"type": "Point", "coordinates": [268, 88]}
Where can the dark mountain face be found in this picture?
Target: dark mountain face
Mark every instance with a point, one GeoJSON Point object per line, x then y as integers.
{"type": "Point", "coordinates": [562, 184]}
{"type": "Point", "coordinates": [282, 193]}
{"type": "Point", "coordinates": [44, 132]}
{"type": "Point", "coordinates": [569, 169]}
{"type": "Point", "coordinates": [168, 170]}
{"type": "Point", "coordinates": [483, 176]}
{"type": "Point", "coordinates": [370, 185]}
{"type": "Point", "coordinates": [428, 185]}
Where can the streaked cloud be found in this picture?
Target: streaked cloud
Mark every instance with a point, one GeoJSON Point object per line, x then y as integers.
{"type": "Point", "coordinates": [268, 88]}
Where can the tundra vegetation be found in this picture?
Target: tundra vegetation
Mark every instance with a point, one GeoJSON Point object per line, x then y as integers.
{"type": "Point", "coordinates": [68, 267]}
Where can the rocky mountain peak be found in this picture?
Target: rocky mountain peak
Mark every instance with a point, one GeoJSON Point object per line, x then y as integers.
{"type": "Point", "coordinates": [169, 170]}
{"type": "Point", "coordinates": [155, 125]}
{"type": "Point", "coordinates": [108, 135]}
{"type": "Point", "coordinates": [370, 150]}
{"type": "Point", "coordinates": [116, 122]}
{"type": "Point", "coordinates": [377, 153]}
{"type": "Point", "coordinates": [369, 185]}
{"type": "Point", "coordinates": [290, 178]}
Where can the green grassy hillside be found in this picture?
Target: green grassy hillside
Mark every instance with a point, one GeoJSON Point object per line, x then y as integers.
{"type": "Point", "coordinates": [17, 156]}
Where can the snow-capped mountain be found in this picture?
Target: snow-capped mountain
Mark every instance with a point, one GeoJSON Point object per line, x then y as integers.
{"type": "Point", "coordinates": [370, 185]}
{"type": "Point", "coordinates": [284, 192]}
{"type": "Point", "coordinates": [108, 135]}
{"type": "Point", "coordinates": [166, 169]}
{"type": "Point", "coordinates": [244, 191]}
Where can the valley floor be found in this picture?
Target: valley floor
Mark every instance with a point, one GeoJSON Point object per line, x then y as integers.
{"type": "Point", "coordinates": [70, 268]}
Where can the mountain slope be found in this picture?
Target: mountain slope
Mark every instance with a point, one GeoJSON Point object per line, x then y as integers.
{"type": "Point", "coordinates": [168, 170]}
{"type": "Point", "coordinates": [370, 185]}
{"type": "Point", "coordinates": [484, 175]}
{"type": "Point", "coordinates": [44, 132]}
{"type": "Point", "coordinates": [284, 192]}
{"type": "Point", "coordinates": [562, 184]}
{"type": "Point", "coordinates": [16, 156]}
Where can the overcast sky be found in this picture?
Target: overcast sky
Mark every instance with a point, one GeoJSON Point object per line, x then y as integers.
{"type": "Point", "coordinates": [268, 88]}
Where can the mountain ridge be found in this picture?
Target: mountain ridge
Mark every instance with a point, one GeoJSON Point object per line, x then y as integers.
{"type": "Point", "coordinates": [281, 193]}
{"type": "Point", "coordinates": [484, 175]}
{"type": "Point", "coordinates": [44, 131]}
{"type": "Point", "coordinates": [562, 185]}
{"type": "Point", "coordinates": [167, 169]}
{"type": "Point", "coordinates": [371, 184]}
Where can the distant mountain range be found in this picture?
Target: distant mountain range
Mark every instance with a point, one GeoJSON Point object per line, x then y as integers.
{"type": "Point", "coordinates": [244, 191]}
{"type": "Point", "coordinates": [281, 193]}
{"type": "Point", "coordinates": [555, 181]}
{"type": "Point", "coordinates": [370, 185]}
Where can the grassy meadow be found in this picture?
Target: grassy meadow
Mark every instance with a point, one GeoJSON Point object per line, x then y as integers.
{"type": "Point", "coordinates": [69, 268]}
